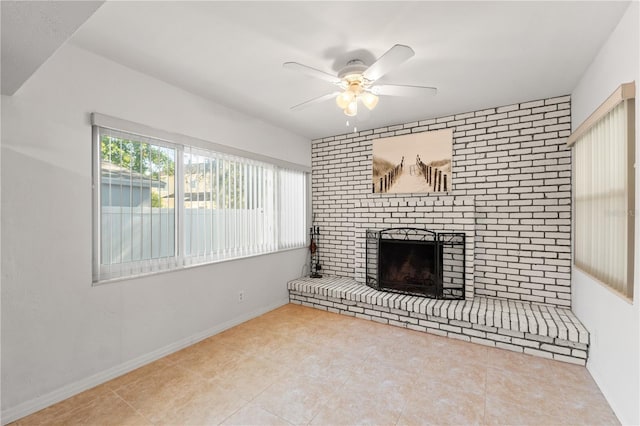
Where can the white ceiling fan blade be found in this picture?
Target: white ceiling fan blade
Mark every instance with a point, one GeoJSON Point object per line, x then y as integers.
{"type": "Point", "coordinates": [391, 59]}
{"type": "Point", "coordinates": [311, 72]}
{"type": "Point", "coordinates": [314, 101]}
{"type": "Point", "coordinates": [400, 90]}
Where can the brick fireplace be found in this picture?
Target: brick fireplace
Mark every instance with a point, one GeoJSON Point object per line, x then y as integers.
{"type": "Point", "coordinates": [510, 195]}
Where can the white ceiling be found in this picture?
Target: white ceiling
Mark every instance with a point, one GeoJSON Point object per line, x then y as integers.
{"type": "Point", "coordinates": [32, 31]}
{"type": "Point", "coordinates": [479, 54]}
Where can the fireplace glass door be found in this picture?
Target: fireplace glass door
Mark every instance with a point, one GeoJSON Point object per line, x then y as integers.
{"type": "Point", "coordinates": [409, 266]}
{"type": "Point", "coordinates": [417, 262]}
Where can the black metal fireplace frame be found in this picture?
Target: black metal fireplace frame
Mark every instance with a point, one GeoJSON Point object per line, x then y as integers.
{"type": "Point", "coordinates": [440, 241]}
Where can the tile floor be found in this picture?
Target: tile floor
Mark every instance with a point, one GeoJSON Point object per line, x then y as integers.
{"type": "Point", "coordinates": [298, 365]}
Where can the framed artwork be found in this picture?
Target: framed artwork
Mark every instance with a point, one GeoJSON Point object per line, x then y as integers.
{"type": "Point", "coordinates": [413, 163]}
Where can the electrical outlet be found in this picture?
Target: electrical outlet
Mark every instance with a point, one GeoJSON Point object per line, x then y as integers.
{"type": "Point", "coordinates": [241, 296]}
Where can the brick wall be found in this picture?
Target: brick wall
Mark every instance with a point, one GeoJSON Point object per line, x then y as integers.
{"type": "Point", "coordinates": [511, 194]}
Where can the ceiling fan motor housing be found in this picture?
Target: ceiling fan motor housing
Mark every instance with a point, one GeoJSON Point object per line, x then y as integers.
{"type": "Point", "coordinates": [353, 71]}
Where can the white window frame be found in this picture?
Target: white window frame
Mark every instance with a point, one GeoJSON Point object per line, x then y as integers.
{"type": "Point", "coordinates": [180, 143]}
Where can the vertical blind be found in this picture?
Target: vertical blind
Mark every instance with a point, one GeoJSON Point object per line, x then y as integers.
{"type": "Point", "coordinates": [136, 223]}
{"type": "Point", "coordinates": [163, 206]}
{"type": "Point", "coordinates": [603, 192]}
{"type": "Point", "coordinates": [228, 209]}
{"type": "Point", "coordinates": [292, 208]}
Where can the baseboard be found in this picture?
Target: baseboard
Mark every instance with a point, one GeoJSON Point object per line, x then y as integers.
{"type": "Point", "coordinates": [67, 391]}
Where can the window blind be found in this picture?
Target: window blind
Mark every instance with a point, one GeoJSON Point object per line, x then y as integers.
{"type": "Point", "coordinates": [137, 221]}
{"type": "Point", "coordinates": [292, 208]}
{"type": "Point", "coordinates": [228, 206]}
{"type": "Point", "coordinates": [604, 199]}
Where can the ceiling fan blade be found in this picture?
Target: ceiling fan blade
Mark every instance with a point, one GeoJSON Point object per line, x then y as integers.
{"type": "Point", "coordinates": [314, 101]}
{"type": "Point", "coordinates": [391, 59]}
{"type": "Point", "coordinates": [400, 90]}
{"type": "Point", "coordinates": [311, 72]}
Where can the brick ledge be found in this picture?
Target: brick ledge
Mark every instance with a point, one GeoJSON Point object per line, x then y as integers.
{"type": "Point", "coordinates": [536, 329]}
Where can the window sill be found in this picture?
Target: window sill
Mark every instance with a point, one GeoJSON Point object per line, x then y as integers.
{"type": "Point", "coordinates": [197, 265]}
{"type": "Point", "coordinates": [613, 291]}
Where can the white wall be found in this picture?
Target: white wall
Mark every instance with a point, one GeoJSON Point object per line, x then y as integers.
{"type": "Point", "coordinates": [614, 354]}
{"type": "Point", "coordinates": [60, 334]}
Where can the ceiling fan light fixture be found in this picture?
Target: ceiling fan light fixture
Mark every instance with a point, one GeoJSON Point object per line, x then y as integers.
{"type": "Point", "coordinates": [344, 99]}
{"type": "Point", "coordinates": [352, 109]}
{"type": "Point", "coordinates": [369, 100]}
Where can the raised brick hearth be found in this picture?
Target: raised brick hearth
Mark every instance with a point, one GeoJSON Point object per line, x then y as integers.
{"type": "Point", "coordinates": [541, 330]}
{"type": "Point", "coordinates": [510, 195]}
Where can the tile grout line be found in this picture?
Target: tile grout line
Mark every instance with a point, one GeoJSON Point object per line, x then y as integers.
{"type": "Point", "coordinates": [486, 388]}
{"type": "Point", "coordinates": [132, 407]}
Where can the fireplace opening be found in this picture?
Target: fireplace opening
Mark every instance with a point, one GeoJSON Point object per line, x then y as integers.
{"type": "Point", "coordinates": [416, 262]}
{"type": "Point", "coordinates": [409, 266]}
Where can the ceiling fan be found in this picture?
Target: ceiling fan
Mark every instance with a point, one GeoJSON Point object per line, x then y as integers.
{"type": "Point", "coordinates": [357, 81]}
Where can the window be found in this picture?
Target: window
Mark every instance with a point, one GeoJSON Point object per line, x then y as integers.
{"type": "Point", "coordinates": [604, 192]}
{"type": "Point", "coordinates": [163, 205]}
